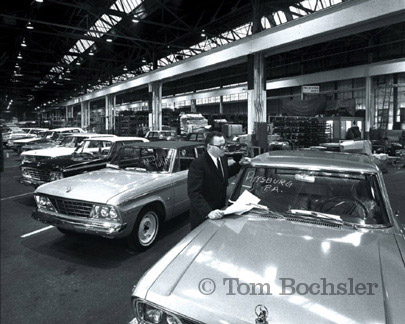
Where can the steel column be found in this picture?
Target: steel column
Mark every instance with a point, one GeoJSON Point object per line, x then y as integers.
{"type": "Point", "coordinates": [156, 89]}
{"type": "Point", "coordinates": [257, 111]}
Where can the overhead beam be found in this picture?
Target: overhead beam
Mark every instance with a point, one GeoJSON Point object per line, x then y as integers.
{"type": "Point", "coordinates": [360, 71]}
{"type": "Point", "coordinates": [335, 22]}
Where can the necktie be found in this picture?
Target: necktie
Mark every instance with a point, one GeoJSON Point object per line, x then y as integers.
{"type": "Point", "coordinates": [220, 167]}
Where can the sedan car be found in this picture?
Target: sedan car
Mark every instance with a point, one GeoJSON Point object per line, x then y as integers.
{"type": "Point", "coordinates": [310, 238]}
{"type": "Point", "coordinates": [144, 185]}
{"type": "Point", "coordinates": [66, 148]}
{"type": "Point", "coordinates": [93, 154]}
{"type": "Point", "coordinates": [161, 135]}
{"type": "Point", "coordinates": [51, 138]}
{"type": "Point", "coordinates": [234, 148]}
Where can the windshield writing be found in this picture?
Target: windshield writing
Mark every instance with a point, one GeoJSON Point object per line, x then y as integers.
{"type": "Point", "coordinates": [354, 197]}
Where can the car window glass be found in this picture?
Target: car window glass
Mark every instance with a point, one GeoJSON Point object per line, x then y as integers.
{"type": "Point", "coordinates": [354, 197]}
{"type": "Point", "coordinates": [148, 159]}
{"type": "Point", "coordinates": [200, 150]}
{"type": "Point", "coordinates": [68, 141]}
{"type": "Point", "coordinates": [186, 156]}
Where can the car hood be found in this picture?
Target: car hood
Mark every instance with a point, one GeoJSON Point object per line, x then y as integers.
{"type": "Point", "coordinates": [69, 162]}
{"type": "Point", "coordinates": [27, 140]}
{"type": "Point", "coordinates": [50, 152]}
{"type": "Point", "coordinates": [259, 250]}
{"type": "Point", "coordinates": [40, 146]}
{"type": "Point", "coordinates": [100, 186]}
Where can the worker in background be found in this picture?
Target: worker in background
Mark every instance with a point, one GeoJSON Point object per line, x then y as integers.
{"type": "Point", "coordinates": [353, 133]}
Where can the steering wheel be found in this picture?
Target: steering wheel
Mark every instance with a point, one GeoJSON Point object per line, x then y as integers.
{"type": "Point", "coordinates": [340, 200]}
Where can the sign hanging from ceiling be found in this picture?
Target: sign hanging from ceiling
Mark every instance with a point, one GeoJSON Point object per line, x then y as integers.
{"type": "Point", "coordinates": [310, 89]}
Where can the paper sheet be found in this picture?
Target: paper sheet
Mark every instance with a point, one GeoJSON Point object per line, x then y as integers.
{"type": "Point", "coordinates": [244, 203]}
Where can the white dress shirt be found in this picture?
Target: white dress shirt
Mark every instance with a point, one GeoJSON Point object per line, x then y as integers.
{"type": "Point", "coordinates": [220, 168]}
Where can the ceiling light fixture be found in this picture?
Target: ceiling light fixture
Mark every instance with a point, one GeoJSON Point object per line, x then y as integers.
{"type": "Point", "coordinates": [29, 26]}
{"type": "Point", "coordinates": [109, 40]}
{"type": "Point", "coordinates": [203, 33]}
{"type": "Point", "coordinates": [23, 44]}
{"type": "Point", "coordinates": [125, 68]}
{"type": "Point", "coordinates": [91, 53]}
{"type": "Point", "coordinates": [19, 56]}
{"type": "Point", "coordinates": [135, 20]}
{"type": "Point", "coordinates": [40, 1]}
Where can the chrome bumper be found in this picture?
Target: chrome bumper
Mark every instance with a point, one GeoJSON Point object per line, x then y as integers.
{"type": "Point", "coordinates": [84, 225]}
{"type": "Point", "coordinates": [31, 182]}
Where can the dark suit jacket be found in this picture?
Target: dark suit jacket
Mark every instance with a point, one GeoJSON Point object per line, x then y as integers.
{"type": "Point", "coordinates": [207, 187]}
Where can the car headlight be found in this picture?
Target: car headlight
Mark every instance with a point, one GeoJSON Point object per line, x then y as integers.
{"type": "Point", "coordinates": [44, 203]}
{"type": "Point", "coordinates": [104, 212]}
{"type": "Point", "coordinates": [25, 159]}
{"type": "Point", "coordinates": [55, 175]}
{"type": "Point", "coordinates": [148, 313]}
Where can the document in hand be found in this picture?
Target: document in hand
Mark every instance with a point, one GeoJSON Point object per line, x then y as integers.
{"type": "Point", "coordinates": [244, 203]}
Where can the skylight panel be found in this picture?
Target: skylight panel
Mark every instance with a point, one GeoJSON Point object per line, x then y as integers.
{"type": "Point", "coordinates": [68, 59]}
{"type": "Point", "coordinates": [80, 46]}
{"type": "Point", "coordinates": [280, 18]}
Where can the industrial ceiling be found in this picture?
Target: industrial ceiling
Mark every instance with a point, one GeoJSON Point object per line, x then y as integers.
{"type": "Point", "coordinates": [52, 50]}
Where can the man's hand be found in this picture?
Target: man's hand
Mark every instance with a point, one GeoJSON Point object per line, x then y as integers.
{"type": "Point", "coordinates": [245, 160]}
{"type": "Point", "coordinates": [216, 214]}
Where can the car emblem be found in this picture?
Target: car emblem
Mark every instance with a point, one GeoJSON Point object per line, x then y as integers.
{"type": "Point", "coordinates": [261, 313]}
{"type": "Point", "coordinates": [68, 189]}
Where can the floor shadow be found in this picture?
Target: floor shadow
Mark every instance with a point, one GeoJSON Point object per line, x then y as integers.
{"type": "Point", "coordinates": [99, 252]}
{"type": "Point", "coordinates": [27, 200]}
{"type": "Point", "coordinates": [88, 250]}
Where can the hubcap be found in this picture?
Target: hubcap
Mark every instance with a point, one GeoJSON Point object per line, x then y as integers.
{"type": "Point", "coordinates": [148, 228]}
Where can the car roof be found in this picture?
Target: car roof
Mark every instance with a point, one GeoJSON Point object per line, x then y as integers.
{"type": "Point", "coordinates": [316, 160]}
{"type": "Point", "coordinates": [63, 129]}
{"type": "Point", "coordinates": [118, 139]}
{"type": "Point", "coordinates": [162, 131]}
{"type": "Point", "coordinates": [89, 135]}
{"type": "Point", "coordinates": [167, 144]}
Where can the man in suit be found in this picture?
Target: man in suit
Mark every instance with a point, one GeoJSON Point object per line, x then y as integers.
{"type": "Point", "coordinates": [208, 179]}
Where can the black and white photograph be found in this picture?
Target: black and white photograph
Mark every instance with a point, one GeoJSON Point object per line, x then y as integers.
{"type": "Point", "coordinates": [202, 162]}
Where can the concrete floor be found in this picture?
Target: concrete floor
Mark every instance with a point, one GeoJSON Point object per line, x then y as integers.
{"type": "Point", "coordinates": [50, 278]}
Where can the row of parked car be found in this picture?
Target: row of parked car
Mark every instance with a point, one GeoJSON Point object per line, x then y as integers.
{"type": "Point", "coordinates": [305, 232]}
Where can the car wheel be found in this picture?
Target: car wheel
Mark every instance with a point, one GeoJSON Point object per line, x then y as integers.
{"type": "Point", "coordinates": [145, 231]}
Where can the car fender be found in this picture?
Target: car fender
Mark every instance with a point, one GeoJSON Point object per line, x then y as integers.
{"type": "Point", "coordinates": [130, 209]}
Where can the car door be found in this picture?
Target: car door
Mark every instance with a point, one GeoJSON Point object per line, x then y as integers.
{"type": "Point", "coordinates": [182, 163]}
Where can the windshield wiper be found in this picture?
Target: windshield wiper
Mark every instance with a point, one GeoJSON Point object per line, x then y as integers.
{"type": "Point", "coordinates": [336, 219]}
{"type": "Point", "coordinates": [263, 210]}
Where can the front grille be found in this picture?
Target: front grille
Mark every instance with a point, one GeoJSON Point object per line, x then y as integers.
{"type": "Point", "coordinates": [33, 158]}
{"type": "Point", "coordinates": [71, 207]}
{"type": "Point", "coordinates": [36, 174]}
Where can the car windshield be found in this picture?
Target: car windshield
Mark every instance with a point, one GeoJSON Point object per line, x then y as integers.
{"type": "Point", "coordinates": [71, 141]}
{"type": "Point", "coordinates": [96, 148]}
{"type": "Point", "coordinates": [354, 197]}
{"type": "Point", "coordinates": [144, 159]}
